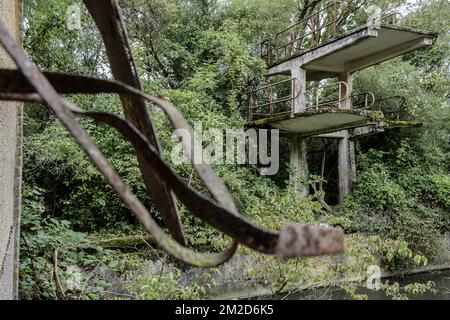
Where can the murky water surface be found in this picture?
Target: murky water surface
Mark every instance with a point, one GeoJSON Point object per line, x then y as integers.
{"type": "Point", "coordinates": [440, 278]}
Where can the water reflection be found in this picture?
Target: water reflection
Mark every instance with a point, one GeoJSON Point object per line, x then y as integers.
{"type": "Point", "coordinates": [440, 278]}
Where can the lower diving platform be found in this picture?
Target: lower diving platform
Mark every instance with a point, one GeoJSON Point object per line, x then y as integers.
{"type": "Point", "coordinates": [325, 109]}
{"type": "Point", "coordinates": [319, 121]}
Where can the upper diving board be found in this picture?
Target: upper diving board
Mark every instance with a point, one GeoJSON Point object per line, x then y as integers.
{"type": "Point", "coordinates": [352, 51]}
{"type": "Point", "coordinates": [324, 52]}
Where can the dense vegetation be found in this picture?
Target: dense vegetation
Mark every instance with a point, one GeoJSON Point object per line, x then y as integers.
{"type": "Point", "coordinates": [203, 55]}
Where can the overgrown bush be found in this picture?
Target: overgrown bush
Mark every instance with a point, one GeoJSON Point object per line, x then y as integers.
{"type": "Point", "coordinates": [47, 243]}
{"type": "Point", "coordinates": [393, 199]}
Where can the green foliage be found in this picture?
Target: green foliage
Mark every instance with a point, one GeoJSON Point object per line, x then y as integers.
{"type": "Point", "coordinates": [53, 46]}
{"type": "Point", "coordinates": [396, 292]}
{"type": "Point", "coordinates": [164, 287]}
{"type": "Point", "coordinates": [40, 239]}
{"type": "Point", "coordinates": [392, 198]}
{"type": "Point", "coordinates": [440, 190]}
{"type": "Point", "coordinates": [396, 255]}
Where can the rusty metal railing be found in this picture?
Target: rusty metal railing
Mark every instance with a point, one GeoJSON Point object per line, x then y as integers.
{"type": "Point", "coordinates": [266, 107]}
{"type": "Point", "coordinates": [363, 100]}
{"type": "Point", "coordinates": [308, 33]}
{"type": "Point", "coordinates": [305, 34]}
{"type": "Point", "coordinates": [316, 94]}
{"type": "Point", "coordinates": [263, 101]}
{"type": "Point", "coordinates": [393, 108]}
{"type": "Point", "coordinates": [397, 18]}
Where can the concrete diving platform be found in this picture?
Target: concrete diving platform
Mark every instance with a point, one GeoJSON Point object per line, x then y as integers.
{"type": "Point", "coordinates": [319, 121]}
{"type": "Point", "coordinates": [352, 51]}
{"type": "Point", "coordinates": [320, 47]}
{"type": "Point", "coordinates": [324, 109]}
{"type": "Point", "coordinates": [319, 110]}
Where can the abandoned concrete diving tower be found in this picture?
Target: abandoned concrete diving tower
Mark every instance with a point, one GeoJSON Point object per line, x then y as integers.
{"type": "Point", "coordinates": [304, 104]}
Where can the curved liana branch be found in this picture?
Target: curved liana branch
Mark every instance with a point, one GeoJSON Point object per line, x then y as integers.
{"type": "Point", "coordinates": [30, 84]}
{"type": "Point", "coordinates": [60, 107]}
{"type": "Point", "coordinates": [107, 17]}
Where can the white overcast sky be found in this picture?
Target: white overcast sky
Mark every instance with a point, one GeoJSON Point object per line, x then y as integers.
{"type": "Point", "coordinates": [404, 9]}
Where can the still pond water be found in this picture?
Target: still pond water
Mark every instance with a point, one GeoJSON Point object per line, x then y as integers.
{"type": "Point", "coordinates": [440, 278]}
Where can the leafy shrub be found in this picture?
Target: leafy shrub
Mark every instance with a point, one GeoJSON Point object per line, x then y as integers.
{"type": "Point", "coordinates": [40, 239]}
{"type": "Point", "coordinates": [440, 190]}
{"type": "Point", "coordinates": [388, 202]}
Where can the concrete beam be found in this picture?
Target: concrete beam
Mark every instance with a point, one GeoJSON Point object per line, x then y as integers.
{"type": "Point", "coordinates": [10, 166]}
{"type": "Point", "coordinates": [353, 133]}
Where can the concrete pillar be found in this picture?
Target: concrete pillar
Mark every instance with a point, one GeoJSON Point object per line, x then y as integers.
{"type": "Point", "coordinates": [298, 158]}
{"type": "Point", "coordinates": [351, 149]}
{"type": "Point", "coordinates": [344, 168]}
{"type": "Point", "coordinates": [346, 150]}
{"type": "Point", "coordinates": [300, 85]}
{"type": "Point", "coordinates": [10, 166]}
{"type": "Point", "coordinates": [347, 78]}
{"type": "Point", "coordinates": [299, 164]}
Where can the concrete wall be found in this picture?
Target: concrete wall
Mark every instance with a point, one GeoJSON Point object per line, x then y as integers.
{"type": "Point", "coordinates": [10, 166]}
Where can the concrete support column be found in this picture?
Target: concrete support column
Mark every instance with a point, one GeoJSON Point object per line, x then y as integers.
{"type": "Point", "coordinates": [352, 156]}
{"type": "Point", "coordinates": [344, 168]}
{"type": "Point", "coordinates": [299, 164]}
{"type": "Point", "coordinates": [346, 150]}
{"type": "Point", "coordinates": [300, 85]}
{"type": "Point", "coordinates": [346, 77]}
{"type": "Point", "coordinates": [10, 165]}
{"type": "Point", "coordinates": [298, 158]}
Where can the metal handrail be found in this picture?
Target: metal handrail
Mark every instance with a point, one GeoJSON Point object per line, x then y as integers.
{"type": "Point", "coordinates": [377, 105]}
{"type": "Point", "coordinates": [276, 47]}
{"type": "Point", "coordinates": [400, 107]}
{"type": "Point", "coordinates": [367, 95]}
{"type": "Point", "coordinates": [394, 15]}
{"type": "Point", "coordinates": [338, 101]}
{"type": "Point", "coordinates": [268, 49]}
{"type": "Point", "coordinates": [254, 105]}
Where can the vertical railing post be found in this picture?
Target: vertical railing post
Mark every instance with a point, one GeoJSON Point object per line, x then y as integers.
{"type": "Point", "coordinates": [276, 47]}
{"type": "Point", "coordinates": [340, 95]}
{"type": "Point", "coordinates": [270, 101]}
{"type": "Point", "coordinates": [293, 95]}
{"type": "Point", "coordinates": [250, 106]}
{"type": "Point", "coordinates": [317, 98]}
{"type": "Point", "coordinates": [269, 52]}
{"type": "Point", "coordinates": [334, 18]}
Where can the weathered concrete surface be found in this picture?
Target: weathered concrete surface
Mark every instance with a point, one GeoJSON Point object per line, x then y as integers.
{"type": "Point", "coordinates": [10, 166]}
{"type": "Point", "coordinates": [344, 146]}
{"type": "Point", "coordinates": [299, 163]}
{"type": "Point", "coordinates": [355, 50]}
{"type": "Point", "coordinates": [317, 121]}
